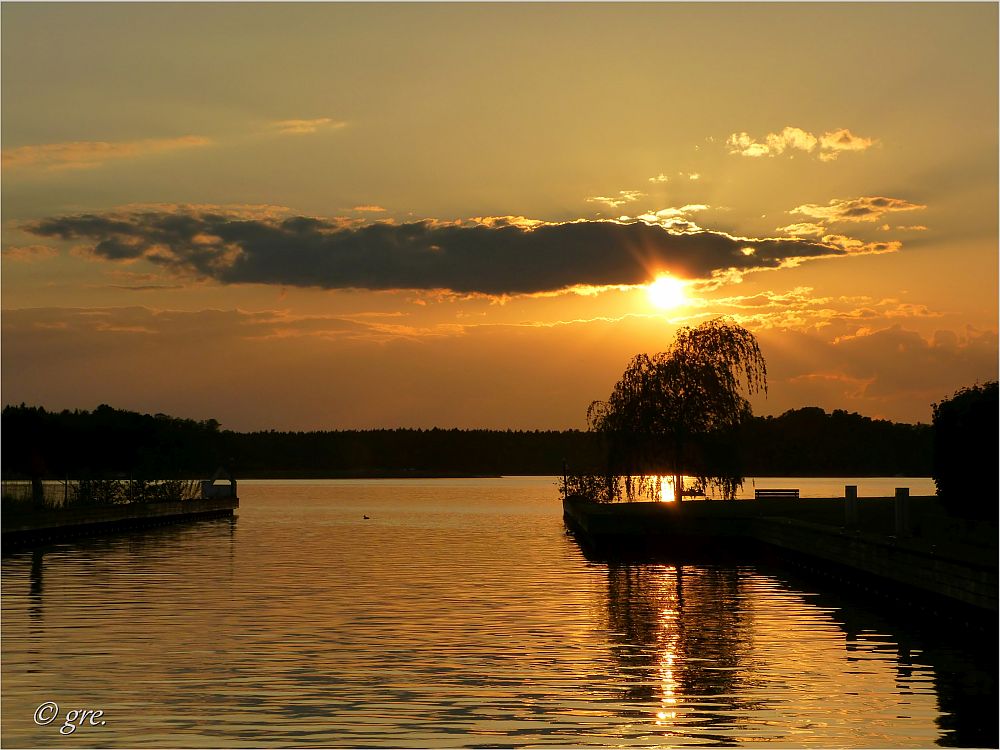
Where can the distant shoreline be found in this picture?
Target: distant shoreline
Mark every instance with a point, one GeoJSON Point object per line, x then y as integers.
{"type": "Point", "coordinates": [456, 475]}
{"type": "Point", "coordinates": [417, 474]}
{"type": "Point", "coordinates": [113, 442]}
{"type": "Point", "coordinates": [387, 474]}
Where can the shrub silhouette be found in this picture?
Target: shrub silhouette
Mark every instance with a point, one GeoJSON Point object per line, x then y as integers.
{"type": "Point", "coordinates": [965, 452]}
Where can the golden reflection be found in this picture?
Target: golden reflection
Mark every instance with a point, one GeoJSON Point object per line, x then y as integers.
{"type": "Point", "coordinates": [667, 292]}
{"type": "Point", "coordinates": [680, 633]}
{"type": "Point", "coordinates": [668, 644]}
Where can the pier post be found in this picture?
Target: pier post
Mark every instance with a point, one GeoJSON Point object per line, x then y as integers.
{"type": "Point", "coordinates": [902, 511]}
{"type": "Point", "coordinates": [851, 506]}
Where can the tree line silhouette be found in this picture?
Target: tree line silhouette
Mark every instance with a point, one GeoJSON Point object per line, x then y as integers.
{"type": "Point", "coordinates": [108, 442]}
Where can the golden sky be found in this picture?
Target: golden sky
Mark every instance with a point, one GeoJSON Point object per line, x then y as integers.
{"type": "Point", "coordinates": [379, 215]}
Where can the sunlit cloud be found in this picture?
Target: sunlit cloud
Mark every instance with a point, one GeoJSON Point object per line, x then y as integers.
{"type": "Point", "coordinates": [303, 127]}
{"type": "Point", "coordinates": [835, 142]}
{"type": "Point", "coordinates": [624, 196]}
{"type": "Point", "coordinates": [233, 211]}
{"type": "Point", "coordinates": [863, 209]}
{"type": "Point", "coordinates": [800, 310]}
{"type": "Point", "coordinates": [368, 208]}
{"type": "Point", "coordinates": [496, 256]}
{"type": "Point", "coordinates": [790, 139]}
{"type": "Point", "coordinates": [773, 143]}
{"type": "Point", "coordinates": [585, 290]}
{"type": "Point", "coordinates": [28, 253]}
{"type": "Point", "coordinates": [805, 229]}
{"type": "Point", "coordinates": [667, 213]}
{"type": "Point", "coordinates": [507, 221]}
{"type": "Point", "coordinates": [855, 246]}
{"type": "Point", "coordinates": [677, 220]}
{"type": "Point", "coordinates": [91, 154]}
{"type": "Point", "coordinates": [425, 296]}
{"type": "Point", "coordinates": [660, 178]}
{"type": "Point", "coordinates": [913, 228]}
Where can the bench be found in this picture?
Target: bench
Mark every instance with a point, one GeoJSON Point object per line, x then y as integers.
{"type": "Point", "coordinates": [766, 494]}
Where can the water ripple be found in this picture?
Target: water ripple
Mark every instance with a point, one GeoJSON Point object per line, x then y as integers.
{"type": "Point", "coordinates": [460, 614]}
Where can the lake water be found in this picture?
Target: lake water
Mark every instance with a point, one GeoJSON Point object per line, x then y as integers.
{"type": "Point", "coordinates": [460, 614]}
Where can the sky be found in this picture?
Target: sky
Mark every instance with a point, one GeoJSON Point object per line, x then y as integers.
{"type": "Point", "coordinates": [326, 216]}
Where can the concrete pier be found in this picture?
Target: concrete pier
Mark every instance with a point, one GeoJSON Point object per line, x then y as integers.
{"type": "Point", "coordinates": [56, 525]}
{"type": "Point", "coordinates": [900, 544]}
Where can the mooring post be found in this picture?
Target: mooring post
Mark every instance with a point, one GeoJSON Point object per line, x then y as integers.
{"type": "Point", "coordinates": [902, 508]}
{"type": "Point", "coordinates": [851, 506]}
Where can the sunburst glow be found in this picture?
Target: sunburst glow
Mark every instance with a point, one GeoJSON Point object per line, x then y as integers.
{"type": "Point", "coordinates": [666, 489]}
{"type": "Point", "coordinates": [667, 292]}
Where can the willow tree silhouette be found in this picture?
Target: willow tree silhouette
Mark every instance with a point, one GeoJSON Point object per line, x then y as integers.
{"type": "Point", "coordinates": [679, 412]}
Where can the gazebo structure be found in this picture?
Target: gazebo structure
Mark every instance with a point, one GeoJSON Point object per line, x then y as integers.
{"type": "Point", "coordinates": [215, 488]}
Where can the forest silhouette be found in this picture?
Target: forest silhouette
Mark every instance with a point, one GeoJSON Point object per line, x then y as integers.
{"type": "Point", "coordinates": [108, 442]}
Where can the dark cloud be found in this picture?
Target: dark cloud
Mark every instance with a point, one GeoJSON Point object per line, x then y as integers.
{"type": "Point", "coordinates": [493, 257]}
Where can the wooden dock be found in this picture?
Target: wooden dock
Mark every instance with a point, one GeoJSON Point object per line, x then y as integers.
{"type": "Point", "coordinates": [901, 544]}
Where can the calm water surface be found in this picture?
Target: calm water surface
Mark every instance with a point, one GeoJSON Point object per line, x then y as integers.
{"type": "Point", "coordinates": [460, 614]}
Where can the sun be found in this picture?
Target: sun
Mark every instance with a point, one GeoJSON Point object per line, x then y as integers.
{"type": "Point", "coordinates": [666, 292]}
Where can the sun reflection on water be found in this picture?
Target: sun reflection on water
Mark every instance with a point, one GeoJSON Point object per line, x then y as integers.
{"type": "Point", "coordinates": [669, 685]}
